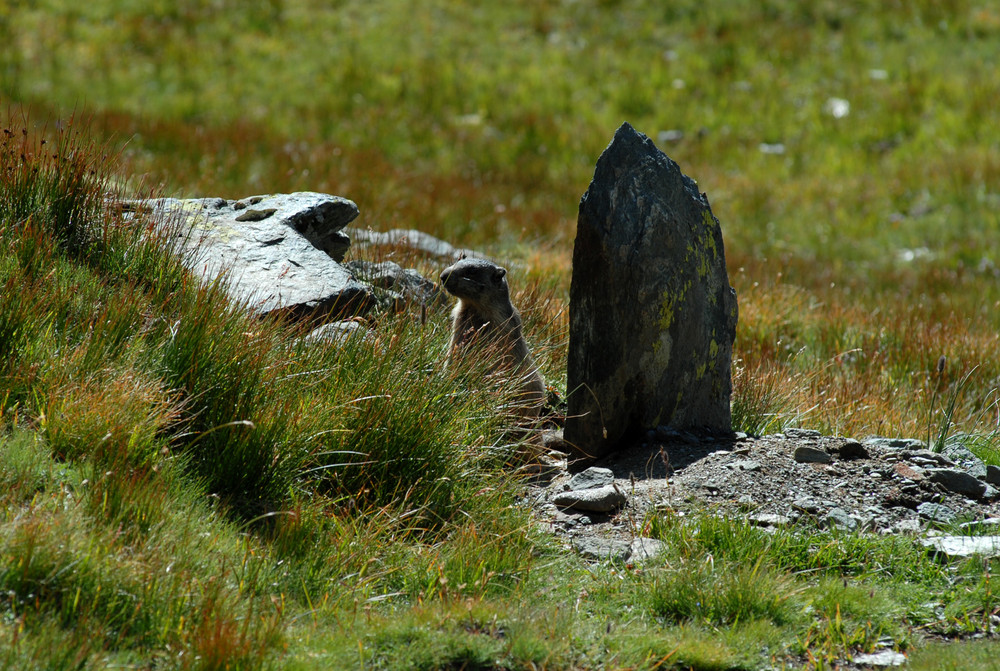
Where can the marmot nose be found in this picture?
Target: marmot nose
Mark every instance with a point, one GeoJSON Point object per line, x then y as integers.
{"type": "Point", "coordinates": [444, 276]}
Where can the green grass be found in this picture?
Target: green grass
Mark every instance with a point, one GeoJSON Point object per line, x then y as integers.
{"type": "Point", "coordinates": [185, 486]}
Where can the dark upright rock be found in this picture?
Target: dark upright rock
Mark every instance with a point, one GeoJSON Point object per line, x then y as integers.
{"type": "Point", "coordinates": [652, 315]}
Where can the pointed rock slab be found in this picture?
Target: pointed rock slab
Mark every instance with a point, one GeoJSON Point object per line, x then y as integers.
{"type": "Point", "coordinates": [277, 251]}
{"type": "Point", "coordinates": [652, 315]}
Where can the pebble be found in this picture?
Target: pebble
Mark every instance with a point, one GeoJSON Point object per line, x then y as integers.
{"type": "Point", "coordinates": [598, 500]}
{"type": "Point", "coordinates": [807, 505]}
{"type": "Point", "coordinates": [965, 459]}
{"type": "Point", "coordinates": [644, 549]}
{"type": "Point", "coordinates": [839, 518]}
{"type": "Point", "coordinates": [926, 457]}
{"type": "Point", "coordinates": [591, 478]}
{"type": "Point", "coordinates": [852, 449]}
{"type": "Point", "coordinates": [637, 551]}
{"type": "Point", "coordinates": [936, 512]}
{"type": "Point", "coordinates": [769, 520]}
{"type": "Point", "coordinates": [601, 548]}
{"type": "Point", "coordinates": [881, 658]}
{"type": "Point", "coordinates": [910, 473]}
{"type": "Point", "coordinates": [802, 433]}
{"type": "Point", "coordinates": [805, 454]}
{"type": "Point", "coordinates": [895, 443]}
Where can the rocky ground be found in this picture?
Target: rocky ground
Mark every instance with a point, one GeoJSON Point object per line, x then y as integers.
{"type": "Point", "coordinates": [878, 485]}
{"type": "Point", "coordinates": [799, 477]}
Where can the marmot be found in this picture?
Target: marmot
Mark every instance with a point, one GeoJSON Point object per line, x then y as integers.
{"type": "Point", "coordinates": [484, 318]}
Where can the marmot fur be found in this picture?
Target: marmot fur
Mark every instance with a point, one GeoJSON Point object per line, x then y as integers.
{"type": "Point", "coordinates": [484, 320]}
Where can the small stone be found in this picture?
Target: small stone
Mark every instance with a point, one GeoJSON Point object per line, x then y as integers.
{"type": "Point", "coordinates": [591, 478]}
{"type": "Point", "coordinates": [881, 658]}
{"type": "Point", "coordinates": [965, 459]}
{"type": "Point", "coordinates": [805, 454]}
{"type": "Point", "coordinates": [552, 440]}
{"type": "Point", "coordinates": [914, 474]}
{"type": "Point", "coordinates": [963, 546]}
{"type": "Point", "coordinates": [599, 500]}
{"type": "Point", "coordinates": [545, 467]}
{"type": "Point", "coordinates": [745, 465]}
{"type": "Point", "coordinates": [410, 285]}
{"type": "Point", "coordinates": [928, 458]}
{"type": "Point", "coordinates": [959, 482]}
{"type": "Point", "coordinates": [907, 526]}
{"type": "Point", "coordinates": [852, 449]}
{"type": "Point", "coordinates": [413, 239]}
{"type": "Point", "coordinates": [769, 520]}
{"type": "Point", "coordinates": [645, 549]}
{"type": "Point", "coordinates": [993, 475]}
{"type": "Point", "coordinates": [807, 505]}
{"type": "Point", "coordinates": [936, 512]}
{"type": "Point", "coordinates": [895, 443]}
{"type": "Point", "coordinates": [839, 518]}
{"type": "Point", "coordinates": [802, 434]}
{"type": "Point", "coordinates": [602, 548]}
{"type": "Point", "coordinates": [982, 524]}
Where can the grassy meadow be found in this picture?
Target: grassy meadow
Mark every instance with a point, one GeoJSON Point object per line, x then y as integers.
{"type": "Point", "coordinates": [188, 487]}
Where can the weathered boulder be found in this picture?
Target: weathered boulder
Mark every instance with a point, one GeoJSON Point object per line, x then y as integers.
{"type": "Point", "coordinates": [278, 252]}
{"type": "Point", "coordinates": [410, 239]}
{"type": "Point", "coordinates": [652, 315]}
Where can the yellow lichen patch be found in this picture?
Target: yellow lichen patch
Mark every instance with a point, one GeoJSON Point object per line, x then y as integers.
{"type": "Point", "coordinates": [668, 304]}
{"type": "Point", "coordinates": [709, 222]}
{"type": "Point", "coordinates": [666, 310]}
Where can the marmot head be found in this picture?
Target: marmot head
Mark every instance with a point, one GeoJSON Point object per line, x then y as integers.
{"type": "Point", "coordinates": [475, 279]}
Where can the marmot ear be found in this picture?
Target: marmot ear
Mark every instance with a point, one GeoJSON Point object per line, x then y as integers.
{"type": "Point", "coordinates": [500, 273]}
